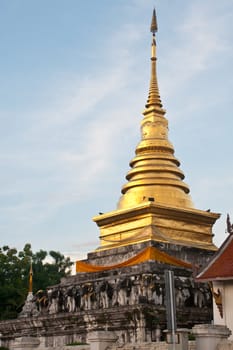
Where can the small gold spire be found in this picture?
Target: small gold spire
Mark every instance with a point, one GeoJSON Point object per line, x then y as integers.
{"type": "Point", "coordinates": [154, 97]}
{"type": "Point", "coordinates": [154, 26]}
{"type": "Point", "coordinates": [30, 279]}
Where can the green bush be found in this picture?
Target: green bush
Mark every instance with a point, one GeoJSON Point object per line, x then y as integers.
{"type": "Point", "coordinates": [191, 336]}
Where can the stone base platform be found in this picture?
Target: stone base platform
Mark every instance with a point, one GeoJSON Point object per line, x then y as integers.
{"type": "Point", "coordinates": [129, 301]}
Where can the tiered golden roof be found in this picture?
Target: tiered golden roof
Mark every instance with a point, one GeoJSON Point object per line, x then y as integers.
{"type": "Point", "coordinates": [155, 202]}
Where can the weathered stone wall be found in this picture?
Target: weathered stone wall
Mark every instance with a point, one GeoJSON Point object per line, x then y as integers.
{"type": "Point", "coordinates": [129, 301]}
{"type": "Point", "coordinates": [195, 256]}
{"type": "Point", "coordinates": [226, 345]}
{"type": "Point", "coordinates": [151, 346]}
{"type": "Point", "coordinates": [143, 346]}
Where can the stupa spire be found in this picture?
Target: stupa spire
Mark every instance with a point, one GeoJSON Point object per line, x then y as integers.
{"type": "Point", "coordinates": [155, 204]}
{"type": "Point", "coordinates": [30, 279]}
{"type": "Point", "coordinates": [155, 171]}
{"type": "Point", "coordinates": [154, 26]}
{"type": "Point", "coordinates": [154, 97]}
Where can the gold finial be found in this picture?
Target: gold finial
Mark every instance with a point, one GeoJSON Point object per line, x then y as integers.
{"type": "Point", "coordinates": [30, 279]}
{"type": "Point", "coordinates": [154, 26]}
{"type": "Point", "coordinates": [154, 98]}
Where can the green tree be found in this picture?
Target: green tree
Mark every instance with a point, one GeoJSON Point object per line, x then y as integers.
{"type": "Point", "coordinates": [48, 269]}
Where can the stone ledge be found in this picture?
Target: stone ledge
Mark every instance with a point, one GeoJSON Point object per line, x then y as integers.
{"type": "Point", "coordinates": [225, 345]}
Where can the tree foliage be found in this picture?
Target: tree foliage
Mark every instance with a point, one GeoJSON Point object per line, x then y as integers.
{"type": "Point", "coordinates": [48, 269]}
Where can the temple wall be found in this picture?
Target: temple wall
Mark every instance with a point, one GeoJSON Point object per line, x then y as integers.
{"type": "Point", "coordinates": [142, 346]}
{"type": "Point", "coordinates": [118, 255]}
{"type": "Point", "coordinates": [128, 301]}
{"type": "Point", "coordinates": [226, 289]}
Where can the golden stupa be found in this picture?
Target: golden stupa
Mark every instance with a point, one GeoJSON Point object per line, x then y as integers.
{"type": "Point", "coordinates": [155, 202]}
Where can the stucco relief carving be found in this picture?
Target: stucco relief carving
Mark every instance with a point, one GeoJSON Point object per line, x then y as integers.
{"type": "Point", "coordinates": [146, 288]}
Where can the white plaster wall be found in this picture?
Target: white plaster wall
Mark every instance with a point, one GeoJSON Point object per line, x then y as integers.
{"type": "Point", "coordinates": [228, 297]}
{"type": "Point", "coordinates": [226, 288]}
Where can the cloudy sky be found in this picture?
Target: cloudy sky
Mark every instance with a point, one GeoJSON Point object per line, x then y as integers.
{"type": "Point", "coordinates": [74, 80]}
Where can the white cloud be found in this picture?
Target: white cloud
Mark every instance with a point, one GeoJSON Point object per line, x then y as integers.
{"type": "Point", "coordinates": [67, 148]}
{"type": "Point", "coordinates": [202, 36]}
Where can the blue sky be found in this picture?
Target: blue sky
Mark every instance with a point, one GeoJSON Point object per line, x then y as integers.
{"type": "Point", "coordinates": [74, 80]}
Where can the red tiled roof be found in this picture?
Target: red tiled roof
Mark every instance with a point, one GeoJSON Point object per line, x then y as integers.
{"type": "Point", "coordinates": [221, 265]}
